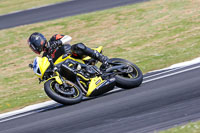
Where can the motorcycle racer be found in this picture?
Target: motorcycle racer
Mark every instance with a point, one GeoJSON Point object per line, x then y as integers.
{"type": "Point", "coordinates": [59, 45]}
{"type": "Point", "coordinates": [68, 75]}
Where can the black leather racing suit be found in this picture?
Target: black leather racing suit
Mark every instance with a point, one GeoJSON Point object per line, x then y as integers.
{"type": "Point", "coordinates": [79, 50]}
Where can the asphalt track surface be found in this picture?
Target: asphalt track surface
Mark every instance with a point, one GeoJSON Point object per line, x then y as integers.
{"type": "Point", "coordinates": [60, 10]}
{"type": "Point", "coordinates": [166, 98]}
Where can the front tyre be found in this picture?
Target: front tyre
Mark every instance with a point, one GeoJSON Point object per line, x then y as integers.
{"type": "Point", "coordinates": [70, 95]}
{"type": "Point", "coordinates": [128, 80]}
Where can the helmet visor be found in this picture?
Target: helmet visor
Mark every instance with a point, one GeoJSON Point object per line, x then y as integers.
{"type": "Point", "coordinates": [34, 49]}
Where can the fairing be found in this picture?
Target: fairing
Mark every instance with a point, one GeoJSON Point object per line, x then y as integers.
{"type": "Point", "coordinates": [40, 65]}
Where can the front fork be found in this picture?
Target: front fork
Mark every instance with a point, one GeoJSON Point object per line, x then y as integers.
{"type": "Point", "coordinates": [66, 89]}
{"type": "Point", "coordinates": [59, 79]}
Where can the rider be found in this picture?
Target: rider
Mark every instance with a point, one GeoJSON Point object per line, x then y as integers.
{"type": "Point", "coordinates": [59, 45]}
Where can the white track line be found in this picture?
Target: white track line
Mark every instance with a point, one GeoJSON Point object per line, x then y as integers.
{"type": "Point", "coordinates": [175, 67]}
{"type": "Point", "coordinates": [17, 116]}
{"type": "Point", "coordinates": [162, 72]}
{"type": "Point", "coordinates": [168, 75]}
{"type": "Point", "coordinates": [27, 109]}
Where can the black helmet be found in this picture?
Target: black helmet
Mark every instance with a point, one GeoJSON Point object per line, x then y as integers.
{"type": "Point", "coordinates": [37, 42]}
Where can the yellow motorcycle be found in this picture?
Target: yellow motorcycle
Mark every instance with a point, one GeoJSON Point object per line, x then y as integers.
{"type": "Point", "coordinates": [68, 79]}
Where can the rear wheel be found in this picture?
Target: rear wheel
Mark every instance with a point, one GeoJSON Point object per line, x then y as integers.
{"type": "Point", "coordinates": [133, 76]}
{"type": "Point", "coordinates": [64, 95]}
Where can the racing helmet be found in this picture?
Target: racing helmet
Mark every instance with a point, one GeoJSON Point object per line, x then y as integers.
{"type": "Point", "coordinates": [37, 42]}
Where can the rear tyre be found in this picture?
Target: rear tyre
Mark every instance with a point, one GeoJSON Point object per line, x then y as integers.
{"type": "Point", "coordinates": [55, 92]}
{"type": "Point", "coordinates": [128, 80]}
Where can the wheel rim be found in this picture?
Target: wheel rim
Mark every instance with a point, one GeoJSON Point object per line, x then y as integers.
{"type": "Point", "coordinates": [54, 85]}
{"type": "Point", "coordinates": [132, 75]}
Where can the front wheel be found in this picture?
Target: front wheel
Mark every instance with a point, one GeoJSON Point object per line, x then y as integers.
{"type": "Point", "coordinates": [71, 94]}
{"type": "Point", "coordinates": [132, 78]}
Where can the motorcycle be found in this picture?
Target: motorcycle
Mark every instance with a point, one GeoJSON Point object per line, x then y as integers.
{"type": "Point", "coordinates": [68, 79]}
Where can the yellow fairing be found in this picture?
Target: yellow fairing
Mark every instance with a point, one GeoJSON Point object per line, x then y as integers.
{"type": "Point", "coordinates": [43, 65]}
{"type": "Point", "coordinates": [60, 59]}
{"type": "Point", "coordinates": [99, 49]}
{"type": "Point", "coordinates": [95, 82]}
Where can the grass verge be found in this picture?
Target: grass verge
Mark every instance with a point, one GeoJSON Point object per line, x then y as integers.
{"type": "Point", "coordinates": [193, 127]}
{"type": "Point", "coordinates": [8, 6]}
{"type": "Point", "coordinates": [153, 35]}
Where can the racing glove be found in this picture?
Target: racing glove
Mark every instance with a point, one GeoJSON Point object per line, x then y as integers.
{"type": "Point", "coordinates": [52, 45]}
{"type": "Point", "coordinates": [55, 44]}
{"type": "Point", "coordinates": [65, 40]}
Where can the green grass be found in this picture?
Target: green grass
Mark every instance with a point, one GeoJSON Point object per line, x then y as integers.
{"type": "Point", "coordinates": [153, 35]}
{"type": "Point", "coordinates": [8, 6]}
{"type": "Point", "coordinates": [192, 127]}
